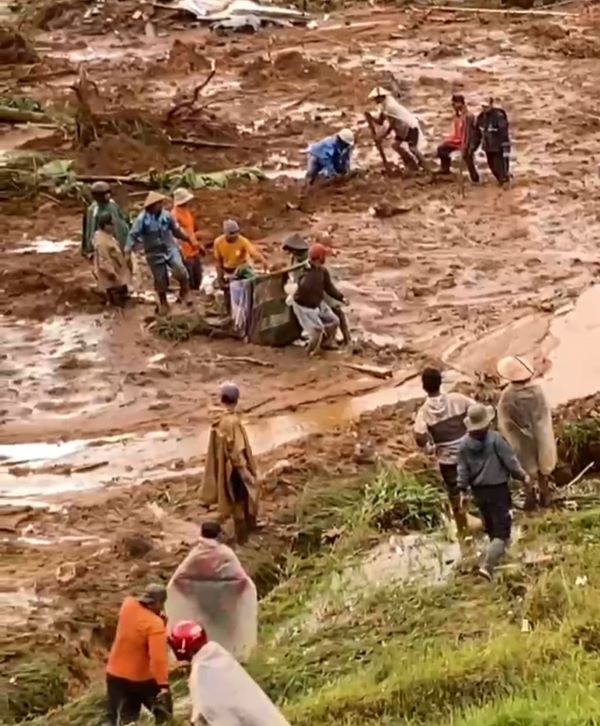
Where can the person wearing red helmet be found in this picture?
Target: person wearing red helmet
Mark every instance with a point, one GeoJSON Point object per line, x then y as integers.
{"type": "Point", "coordinates": [215, 677]}
{"type": "Point", "coordinates": [314, 314]}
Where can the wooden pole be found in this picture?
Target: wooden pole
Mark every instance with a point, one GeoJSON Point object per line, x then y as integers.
{"type": "Point", "coordinates": [386, 164]}
{"type": "Point", "coordinates": [499, 11]}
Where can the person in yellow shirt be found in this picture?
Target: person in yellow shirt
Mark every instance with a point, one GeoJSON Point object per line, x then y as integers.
{"type": "Point", "coordinates": [231, 250]}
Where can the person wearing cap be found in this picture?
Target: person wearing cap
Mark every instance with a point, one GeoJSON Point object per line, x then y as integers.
{"type": "Point", "coordinates": [394, 118]}
{"type": "Point", "coordinates": [298, 248]}
{"type": "Point", "coordinates": [191, 249]}
{"type": "Point", "coordinates": [230, 473]}
{"type": "Point", "coordinates": [102, 202]}
{"type": "Point", "coordinates": [462, 138]}
{"type": "Point", "coordinates": [315, 316]}
{"type": "Point", "coordinates": [155, 229]}
{"type": "Point", "coordinates": [110, 267]}
{"type": "Point", "coordinates": [525, 420]}
{"type": "Point", "coordinates": [486, 461]}
{"type": "Point", "coordinates": [330, 157]}
{"type": "Point", "coordinates": [493, 130]}
{"type": "Point", "coordinates": [137, 670]}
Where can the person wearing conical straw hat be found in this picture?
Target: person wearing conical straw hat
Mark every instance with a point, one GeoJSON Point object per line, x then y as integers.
{"type": "Point", "coordinates": [192, 250]}
{"type": "Point", "coordinates": [525, 420]}
{"type": "Point", "coordinates": [155, 229]}
{"type": "Point", "coordinates": [486, 461]}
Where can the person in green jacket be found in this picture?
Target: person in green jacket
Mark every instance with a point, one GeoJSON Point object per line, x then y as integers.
{"type": "Point", "coordinates": [102, 202]}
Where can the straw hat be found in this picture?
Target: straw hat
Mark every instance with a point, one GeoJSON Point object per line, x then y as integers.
{"type": "Point", "coordinates": [152, 198]}
{"type": "Point", "coordinates": [515, 368]}
{"type": "Point", "coordinates": [182, 196]}
{"type": "Point", "coordinates": [295, 243]}
{"type": "Point", "coordinates": [479, 417]}
{"type": "Point", "coordinates": [379, 92]}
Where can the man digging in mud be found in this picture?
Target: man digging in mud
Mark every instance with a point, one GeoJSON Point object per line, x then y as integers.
{"type": "Point", "coordinates": [155, 228]}
{"type": "Point", "coordinates": [102, 202]}
{"type": "Point", "coordinates": [230, 474]}
{"type": "Point", "coordinates": [440, 427]}
{"type": "Point", "coordinates": [329, 157]}
{"type": "Point", "coordinates": [462, 138]}
{"type": "Point", "coordinates": [525, 420]}
{"type": "Point", "coordinates": [315, 316]}
{"type": "Point", "coordinates": [394, 118]}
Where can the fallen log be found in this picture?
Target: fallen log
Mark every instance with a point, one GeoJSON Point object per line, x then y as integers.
{"type": "Point", "coordinates": [375, 371]}
{"type": "Point", "coordinates": [10, 115]}
{"type": "Point", "coordinates": [244, 359]}
{"type": "Point", "coordinates": [499, 11]}
{"type": "Point", "coordinates": [204, 142]}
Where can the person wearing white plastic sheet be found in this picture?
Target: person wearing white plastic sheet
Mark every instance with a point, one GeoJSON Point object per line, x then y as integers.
{"type": "Point", "coordinates": [221, 691]}
{"type": "Point", "coordinates": [211, 587]}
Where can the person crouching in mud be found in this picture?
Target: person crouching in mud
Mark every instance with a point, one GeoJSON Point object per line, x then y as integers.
{"type": "Point", "coordinates": [230, 475]}
{"type": "Point", "coordinates": [485, 464]}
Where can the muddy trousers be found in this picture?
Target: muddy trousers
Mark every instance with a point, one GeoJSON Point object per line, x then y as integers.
{"type": "Point", "coordinates": [444, 153]}
{"type": "Point", "coordinates": [494, 504]}
{"type": "Point", "coordinates": [450, 478]}
{"type": "Point", "coordinates": [499, 165]}
{"type": "Point", "coordinates": [125, 700]}
{"type": "Point", "coordinates": [243, 521]}
{"type": "Point", "coordinates": [117, 295]}
{"type": "Point", "coordinates": [193, 265]}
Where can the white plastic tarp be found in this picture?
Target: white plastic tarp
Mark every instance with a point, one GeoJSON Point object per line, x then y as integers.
{"type": "Point", "coordinates": [223, 694]}
{"type": "Point", "coordinates": [211, 588]}
{"type": "Point", "coordinates": [212, 10]}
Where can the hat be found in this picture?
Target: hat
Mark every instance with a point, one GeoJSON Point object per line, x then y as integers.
{"type": "Point", "coordinates": [182, 196]}
{"type": "Point", "coordinates": [379, 91]}
{"type": "Point", "coordinates": [295, 243]}
{"type": "Point", "coordinates": [230, 226]}
{"type": "Point", "coordinates": [153, 198]}
{"type": "Point", "coordinates": [479, 417]}
{"type": "Point", "coordinates": [99, 187]}
{"type": "Point", "coordinates": [318, 252]}
{"type": "Point", "coordinates": [229, 392]}
{"type": "Point", "coordinates": [347, 136]}
{"type": "Point", "coordinates": [515, 368]}
{"type": "Point", "coordinates": [153, 593]}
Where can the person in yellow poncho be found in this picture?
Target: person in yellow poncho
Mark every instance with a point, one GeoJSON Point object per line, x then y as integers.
{"type": "Point", "coordinates": [230, 474]}
{"type": "Point", "coordinates": [525, 421]}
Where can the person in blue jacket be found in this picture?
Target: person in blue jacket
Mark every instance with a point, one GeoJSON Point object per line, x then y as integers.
{"type": "Point", "coordinates": [330, 157]}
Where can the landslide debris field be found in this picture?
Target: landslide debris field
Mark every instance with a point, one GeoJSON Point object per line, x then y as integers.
{"type": "Point", "coordinates": [103, 423]}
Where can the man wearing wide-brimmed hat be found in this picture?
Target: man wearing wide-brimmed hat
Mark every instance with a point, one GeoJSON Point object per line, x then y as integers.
{"type": "Point", "coordinates": [525, 420]}
{"type": "Point", "coordinates": [485, 464]}
{"type": "Point", "coordinates": [155, 229]}
{"type": "Point", "coordinates": [102, 202]}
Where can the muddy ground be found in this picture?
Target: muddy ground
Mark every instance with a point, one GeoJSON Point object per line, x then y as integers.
{"type": "Point", "coordinates": [100, 418]}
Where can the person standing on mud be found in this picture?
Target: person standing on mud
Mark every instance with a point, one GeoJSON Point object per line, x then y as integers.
{"type": "Point", "coordinates": [493, 129]}
{"type": "Point", "coordinates": [230, 474]}
{"type": "Point", "coordinates": [485, 463]}
{"type": "Point", "coordinates": [394, 118]}
{"type": "Point", "coordinates": [525, 420]}
{"type": "Point", "coordinates": [137, 672]}
{"type": "Point", "coordinates": [102, 202]}
{"type": "Point", "coordinates": [190, 251]}
{"type": "Point", "coordinates": [462, 138]}
{"type": "Point", "coordinates": [110, 267]}
{"type": "Point", "coordinates": [330, 157]}
{"type": "Point", "coordinates": [440, 427]}
{"type": "Point", "coordinates": [155, 228]}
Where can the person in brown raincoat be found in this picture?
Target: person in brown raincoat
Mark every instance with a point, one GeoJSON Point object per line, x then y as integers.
{"type": "Point", "coordinates": [525, 421]}
{"type": "Point", "coordinates": [230, 475]}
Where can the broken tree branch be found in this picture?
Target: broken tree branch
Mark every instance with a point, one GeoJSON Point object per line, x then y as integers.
{"type": "Point", "coordinates": [244, 359]}
{"type": "Point", "coordinates": [375, 371]}
{"type": "Point", "coordinates": [500, 11]}
{"type": "Point", "coordinates": [204, 142]}
{"type": "Point", "coordinates": [190, 103]}
{"type": "Point", "coordinates": [10, 115]}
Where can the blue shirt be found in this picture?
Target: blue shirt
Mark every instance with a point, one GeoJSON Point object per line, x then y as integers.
{"type": "Point", "coordinates": [332, 155]}
{"type": "Point", "coordinates": [155, 232]}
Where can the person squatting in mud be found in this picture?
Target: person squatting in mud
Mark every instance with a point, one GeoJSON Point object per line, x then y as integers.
{"type": "Point", "coordinates": [485, 463]}
{"type": "Point", "coordinates": [463, 139]}
{"type": "Point", "coordinates": [315, 316]}
{"type": "Point", "coordinates": [230, 474]}
{"type": "Point", "coordinates": [155, 228]}
{"type": "Point", "coordinates": [102, 202]}
{"type": "Point", "coordinates": [439, 428]}
{"type": "Point", "coordinates": [394, 118]}
{"type": "Point", "coordinates": [112, 272]}
{"type": "Point", "coordinates": [330, 157]}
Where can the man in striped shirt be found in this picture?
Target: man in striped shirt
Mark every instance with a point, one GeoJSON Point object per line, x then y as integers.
{"type": "Point", "coordinates": [439, 427]}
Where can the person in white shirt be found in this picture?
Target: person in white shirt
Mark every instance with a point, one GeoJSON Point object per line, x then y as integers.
{"type": "Point", "coordinates": [394, 118]}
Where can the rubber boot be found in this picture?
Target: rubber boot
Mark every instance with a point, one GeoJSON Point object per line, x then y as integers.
{"type": "Point", "coordinates": [163, 305]}
{"type": "Point", "coordinates": [344, 328]}
{"type": "Point", "coordinates": [545, 492]}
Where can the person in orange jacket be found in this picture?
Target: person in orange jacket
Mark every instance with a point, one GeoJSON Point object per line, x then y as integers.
{"type": "Point", "coordinates": [191, 249]}
{"type": "Point", "coordinates": [137, 670]}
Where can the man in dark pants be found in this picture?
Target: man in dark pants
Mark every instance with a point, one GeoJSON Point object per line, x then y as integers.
{"type": "Point", "coordinates": [462, 138]}
{"type": "Point", "coordinates": [137, 670]}
{"type": "Point", "coordinates": [485, 464]}
{"type": "Point", "coordinates": [440, 428]}
{"type": "Point", "coordinates": [493, 130]}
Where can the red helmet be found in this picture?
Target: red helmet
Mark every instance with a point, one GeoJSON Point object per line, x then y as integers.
{"type": "Point", "coordinates": [186, 639]}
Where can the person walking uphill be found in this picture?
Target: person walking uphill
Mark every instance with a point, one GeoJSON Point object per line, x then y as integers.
{"type": "Point", "coordinates": [230, 474]}
{"type": "Point", "coordinates": [137, 671]}
{"type": "Point", "coordinates": [102, 202]}
{"type": "Point", "coordinates": [440, 425]}
{"type": "Point", "coordinates": [485, 464]}
{"type": "Point", "coordinates": [155, 228]}
{"type": "Point", "coordinates": [462, 138]}
{"type": "Point", "coordinates": [191, 250]}
{"type": "Point", "coordinates": [525, 420]}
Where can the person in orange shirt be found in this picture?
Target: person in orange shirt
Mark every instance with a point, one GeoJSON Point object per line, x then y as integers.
{"type": "Point", "coordinates": [232, 250]}
{"type": "Point", "coordinates": [137, 670]}
{"type": "Point", "coordinates": [192, 250]}
{"type": "Point", "coordinates": [461, 138]}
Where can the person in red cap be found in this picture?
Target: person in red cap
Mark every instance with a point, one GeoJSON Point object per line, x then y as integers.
{"type": "Point", "coordinates": [314, 314]}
